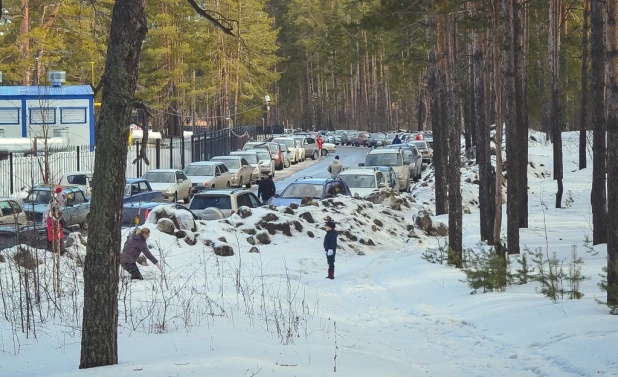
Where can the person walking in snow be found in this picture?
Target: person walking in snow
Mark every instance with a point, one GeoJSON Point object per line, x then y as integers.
{"type": "Point", "coordinates": [335, 167]}
{"type": "Point", "coordinates": [136, 245]}
{"type": "Point", "coordinates": [330, 246]}
{"type": "Point", "coordinates": [396, 140]}
{"type": "Point", "coordinates": [266, 188]}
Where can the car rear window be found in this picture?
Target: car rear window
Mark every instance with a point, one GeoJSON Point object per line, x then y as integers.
{"type": "Point", "coordinates": [217, 201]}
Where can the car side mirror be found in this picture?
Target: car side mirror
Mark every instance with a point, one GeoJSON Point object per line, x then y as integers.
{"type": "Point", "coordinates": [361, 164]}
{"type": "Point", "coordinates": [382, 185]}
{"type": "Point", "coordinates": [276, 195]}
{"type": "Point", "coordinates": [218, 174]}
{"type": "Point", "coordinates": [180, 180]}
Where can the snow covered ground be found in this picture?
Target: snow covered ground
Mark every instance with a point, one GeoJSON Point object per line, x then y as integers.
{"type": "Point", "coordinates": [387, 313]}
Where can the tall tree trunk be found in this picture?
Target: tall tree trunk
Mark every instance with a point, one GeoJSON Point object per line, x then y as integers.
{"type": "Point", "coordinates": [612, 158]}
{"type": "Point", "coordinates": [434, 87]}
{"type": "Point", "coordinates": [100, 322]}
{"type": "Point", "coordinates": [25, 41]}
{"type": "Point", "coordinates": [556, 108]}
{"type": "Point", "coordinates": [522, 108]}
{"type": "Point", "coordinates": [598, 195]}
{"type": "Point", "coordinates": [483, 157]}
{"type": "Point", "coordinates": [509, 104]}
{"type": "Point", "coordinates": [454, 140]}
{"type": "Point", "coordinates": [497, 95]}
{"type": "Point", "coordinates": [583, 110]}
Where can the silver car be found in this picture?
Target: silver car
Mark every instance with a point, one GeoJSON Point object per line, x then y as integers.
{"type": "Point", "coordinates": [242, 171]}
{"type": "Point", "coordinates": [222, 203]}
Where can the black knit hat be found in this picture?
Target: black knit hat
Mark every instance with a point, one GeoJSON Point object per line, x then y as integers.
{"type": "Point", "coordinates": [336, 157]}
{"type": "Point", "coordinates": [330, 224]}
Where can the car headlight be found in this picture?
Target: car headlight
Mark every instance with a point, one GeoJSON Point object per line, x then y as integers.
{"type": "Point", "coordinates": [168, 192]}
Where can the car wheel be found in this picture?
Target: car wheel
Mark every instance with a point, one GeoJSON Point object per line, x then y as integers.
{"type": "Point", "coordinates": [240, 183]}
{"type": "Point", "coordinates": [228, 184]}
{"type": "Point", "coordinates": [248, 185]}
{"type": "Point", "coordinates": [324, 152]}
{"type": "Point", "coordinates": [84, 225]}
{"type": "Point", "coordinates": [315, 155]}
{"type": "Point", "coordinates": [187, 199]}
{"type": "Point", "coordinates": [213, 186]}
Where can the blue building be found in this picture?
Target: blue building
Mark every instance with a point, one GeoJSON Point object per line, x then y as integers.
{"type": "Point", "coordinates": [48, 111]}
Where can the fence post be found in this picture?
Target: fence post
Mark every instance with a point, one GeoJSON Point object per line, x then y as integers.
{"type": "Point", "coordinates": [79, 165]}
{"type": "Point", "coordinates": [171, 152]}
{"type": "Point", "coordinates": [192, 148]}
{"type": "Point", "coordinates": [11, 172]}
{"type": "Point", "coordinates": [182, 152]}
{"type": "Point", "coordinates": [137, 155]}
{"type": "Point", "coordinates": [158, 153]}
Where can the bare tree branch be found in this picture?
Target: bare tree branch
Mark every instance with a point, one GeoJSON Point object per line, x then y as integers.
{"type": "Point", "coordinates": [217, 22]}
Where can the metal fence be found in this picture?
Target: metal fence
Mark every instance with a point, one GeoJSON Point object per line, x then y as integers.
{"type": "Point", "coordinates": [23, 170]}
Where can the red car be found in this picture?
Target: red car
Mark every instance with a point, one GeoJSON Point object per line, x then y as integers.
{"type": "Point", "coordinates": [362, 139]}
{"type": "Point", "coordinates": [277, 154]}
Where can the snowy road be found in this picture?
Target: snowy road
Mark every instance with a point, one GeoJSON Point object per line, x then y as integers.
{"type": "Point", "coordinates": [349, 156]}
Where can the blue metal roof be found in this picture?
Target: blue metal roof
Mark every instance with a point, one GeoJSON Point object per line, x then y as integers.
{"type": "Point", "coordinates": [66, 90]}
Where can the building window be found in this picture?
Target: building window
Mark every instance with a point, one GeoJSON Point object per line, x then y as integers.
{"type": "Point", "coordinates": [42, 115]}
{"type": "Point", "coordinates": [72, 115]}
{"type": "Point", "coordinates": [9, 115]}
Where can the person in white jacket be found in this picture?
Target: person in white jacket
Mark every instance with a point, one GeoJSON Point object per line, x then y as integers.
{"type": "Point", "coordinates": [335, 167]}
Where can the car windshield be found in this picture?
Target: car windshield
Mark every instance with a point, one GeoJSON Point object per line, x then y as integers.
{"type": "Point", "coordinates": [420, 144]}
{"type": "Point", "coordinates": [250, 157]}
{"type": "Point", "coordinates": [160, 177]}
{"type": "Point", "coordinates": [208, 201]}
{"type": "Point", "coordinates": [378, 136]}
{"type": "Point", "coordinates": [264, 156]}
{"type": "Point", "coordinates": [289, 143]}
{"type": "Point", "coordinates": [230, 163]}
{"type": "Point", "coordinates": [383, 159]}
{"type": "Point", "coordinates": [301, 190]}
{"type": "Point", "coordinates": [359, 181]}
{"type": "Point", "coordinates": [39, 197]}
{"type": "Point", "coordinates": [199, 170]}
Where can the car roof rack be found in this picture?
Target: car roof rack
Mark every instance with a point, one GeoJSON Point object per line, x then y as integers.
{"type": "Point", "coordinates": [307, 177]}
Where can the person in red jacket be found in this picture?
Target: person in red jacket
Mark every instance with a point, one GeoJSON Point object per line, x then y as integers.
{"type": "Point", "coordinates": [320, 142]}
{"type": "Point", "coordinates": [55, 234]}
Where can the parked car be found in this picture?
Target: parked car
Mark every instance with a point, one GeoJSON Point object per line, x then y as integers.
{"type": "Point", "coordinates": [361, 140]}
{"type": "Point", "coordinates": [317, 188]}
{"type": "Point", "coordinates": [291, 145]}
{"type": "Point", "coordinates": [392, 158]}
{"type": "Point", "coordinates": [390, 175]}
{"type": "Point", "coordinates": [222, 203]}
{"type": "Point", "coordinates": [328, 148]}
{"type": "Point", "coordinates": [140, 211]}
{"type": "Point", "coordinates": [253, 160]}
{"type": "Point", "coordinates": [273, 148]}
{"type": "Point", "coordinates": [11, 212]}
{"type": "Point", "coordinates": [76, 207]}
{"type": "Point", "coordinates": [301, 151]}
{"type": "Point", "coordinates": [81, 179]}
{"type": "Point", "coordinates": [339, 136]}
{"type": "Point", "coordinates": [242, 171]}
{"type": "Point", "coordinates": [208, 174]}
{"type": "Point", "coordinates": [172, 183]}
{"type": "Point", "coordinates": [377, 139]}
{"type": "Point", "coordinates": [412, 158]}
{"type": "Point", "coordinates": [349, 137]}
{"type": "Point", "coordinates": [286, 156]}
{"type": "Point", "coordinates": [363, 182]}
{"type": "Point", "coordinates": [139, 190]}
{"type": "Point", "coordinates": [31, 235]}
{"type": "Point", "coordinates": [423, 148]}
{"type": "Point", "coordinates": [310, 146]}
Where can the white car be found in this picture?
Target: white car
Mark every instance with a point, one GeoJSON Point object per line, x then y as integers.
{"type": "Point", "coordinates": [208, 174]}
{"type": "Point", "coordinates": [253, 160]}
{"type": "Point", "coordinates": [328, 148]}
{"type": "Point", "coordinates": [393, 158]}
{"type": "Point", "coordinates": [240, 168]}
{"type": "Point", "coordinates": [292, 146]}
{"type": "Point", "coordinates": [363, 182]}
{"type": "Point", "coordinates": [265, 159]}
{"type": "Point", "coordinates": [81, 179]}
{"type": "Point", "coordinates": [172, 183]}
{"type": "Point", "coordinates": [298, 144]}
{"type": "Point", "coordinates": [11, 212]}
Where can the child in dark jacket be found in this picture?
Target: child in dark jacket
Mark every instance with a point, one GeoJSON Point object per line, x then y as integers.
{"type": "Point", "coordinates": [330, 246]}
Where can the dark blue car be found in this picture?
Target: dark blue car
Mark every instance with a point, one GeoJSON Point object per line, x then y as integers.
{"type": "Point", "coordinates": [317, 188]}
{"type": "Point", "coordinates": [139, 190]}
